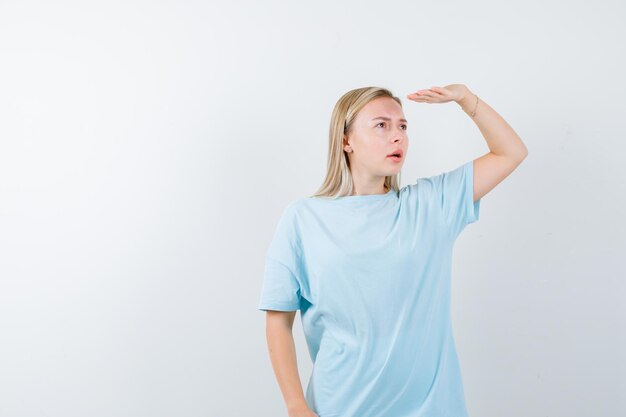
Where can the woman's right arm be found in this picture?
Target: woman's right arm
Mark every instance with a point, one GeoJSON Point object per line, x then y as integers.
{"type": "Point", "coordinates": [282, 350]}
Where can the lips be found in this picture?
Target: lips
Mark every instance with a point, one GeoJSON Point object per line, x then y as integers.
{"type": "Point", "coordinates": [397, 153]}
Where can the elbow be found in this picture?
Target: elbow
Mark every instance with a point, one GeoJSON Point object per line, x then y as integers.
{"type": "Point", "coordinates": [523, 153]}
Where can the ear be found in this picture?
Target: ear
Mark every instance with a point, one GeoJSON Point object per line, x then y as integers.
{"type": "Point", "coordinates": [346, 144]}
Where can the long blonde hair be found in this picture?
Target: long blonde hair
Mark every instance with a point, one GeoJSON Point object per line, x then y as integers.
{"type": "Point", "coordinates": [338, 181]}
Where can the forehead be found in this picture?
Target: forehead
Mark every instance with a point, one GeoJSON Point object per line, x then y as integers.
{"type": "Point", "coordinates": [383, 107]}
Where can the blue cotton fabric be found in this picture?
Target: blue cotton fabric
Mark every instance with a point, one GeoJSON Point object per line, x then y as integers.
{"type": "Point", "coordinates": [370, 275]}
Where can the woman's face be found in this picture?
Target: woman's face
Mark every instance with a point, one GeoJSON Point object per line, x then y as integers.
{"type": "Point", "coordinates": [379, 130]}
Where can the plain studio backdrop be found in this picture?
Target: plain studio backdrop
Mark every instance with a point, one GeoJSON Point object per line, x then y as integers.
{"type": "Point", "coordinates": [148, 149]}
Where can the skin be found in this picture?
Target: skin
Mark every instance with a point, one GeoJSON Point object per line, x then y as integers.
{"type": "Point", "coordinates": [506, 149]}
{"type": "Point", "coordinates": [282, 351]}
{"type": "Point", "coordinates": [370, 140]}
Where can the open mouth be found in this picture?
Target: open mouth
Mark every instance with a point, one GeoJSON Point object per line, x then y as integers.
{"type": "Point", "coordinates": [396, 156]}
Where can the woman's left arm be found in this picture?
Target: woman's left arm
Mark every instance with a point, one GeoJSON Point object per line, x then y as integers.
{"type": "Point", "coordinates": [500, 136]}
{"type": "Point", "coordinates": [506, 149]}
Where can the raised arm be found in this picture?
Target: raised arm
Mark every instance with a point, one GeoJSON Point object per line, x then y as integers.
{"type": "Point", "coordinates": [506, 149]}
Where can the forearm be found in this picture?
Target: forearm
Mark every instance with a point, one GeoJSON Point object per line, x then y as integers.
{"type": "Point", "coordinates": [282, 351]}
{"type": "Point", "coordinates": [500, 137]}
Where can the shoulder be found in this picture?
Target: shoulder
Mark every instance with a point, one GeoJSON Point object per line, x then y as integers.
{"type": "Point", "coordinates": [294, 207]}
{"type": "Point", "coordinates": [292, 213]}
{"type": "Point", "coordinates": [422, 186]}
{"type": "Point", "coordinates": [436, 181]}
{"type": "Point", "coordinates": [301, 205]}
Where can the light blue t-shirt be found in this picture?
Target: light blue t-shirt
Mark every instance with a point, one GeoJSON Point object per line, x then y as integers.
{"type": "Point", "coordinates": [371, 277]}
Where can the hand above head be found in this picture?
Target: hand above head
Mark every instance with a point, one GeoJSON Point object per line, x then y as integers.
{"type": "Point", "coordinates": [452, 92]}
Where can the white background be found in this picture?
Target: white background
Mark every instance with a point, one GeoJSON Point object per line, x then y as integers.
{"type": "Point", "coordinates": [148, 148]}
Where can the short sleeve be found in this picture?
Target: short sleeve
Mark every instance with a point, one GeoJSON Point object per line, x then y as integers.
{"type": "Point", "coordinates": [454, 191]}
{"type": "Point", "coordinates": [282, 277]}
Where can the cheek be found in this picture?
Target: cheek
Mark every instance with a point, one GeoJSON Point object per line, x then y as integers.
{"type": "Point", "coordinates": [374, 148]}
{"type": "Point", "coordinates": [382, 148]}
{"type": "Point", "coordinates": [377, 154]}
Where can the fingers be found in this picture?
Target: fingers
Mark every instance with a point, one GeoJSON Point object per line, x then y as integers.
{"type": "Point", "coordinates": [420, 97]}
{"type": "Point", "coordinates": [417, 95]}
{"type": "Point", "coordinates": [423, 93]}
{"type": "Point", "coordinates": [433, 94]}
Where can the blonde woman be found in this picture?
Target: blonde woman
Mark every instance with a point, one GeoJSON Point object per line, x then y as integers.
{"type": "Point", "coordinates": [368, 262]}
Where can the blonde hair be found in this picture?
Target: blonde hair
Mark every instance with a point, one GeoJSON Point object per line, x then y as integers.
{"type": "Point", "coordinates": [338, 181]}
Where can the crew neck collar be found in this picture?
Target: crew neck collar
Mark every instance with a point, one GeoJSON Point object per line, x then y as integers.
{"type": "Point", "coordinates": [367, 196]}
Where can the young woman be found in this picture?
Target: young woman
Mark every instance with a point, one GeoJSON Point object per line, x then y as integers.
{"type": "Point", "coordinates": [368, 264]}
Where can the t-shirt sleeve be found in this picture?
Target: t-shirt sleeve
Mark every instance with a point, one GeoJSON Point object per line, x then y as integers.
{"type": "Point", "coordinates": [282, 277]}
{"type": "Point", "coordinates": [454, 191]}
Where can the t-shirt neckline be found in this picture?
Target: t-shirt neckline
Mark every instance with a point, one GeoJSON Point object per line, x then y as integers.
{"type": "Point", "coordinates": [366, 196]}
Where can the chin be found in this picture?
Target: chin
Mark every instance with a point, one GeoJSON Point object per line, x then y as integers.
{"type": "Point", "coordinates": [393, 171]}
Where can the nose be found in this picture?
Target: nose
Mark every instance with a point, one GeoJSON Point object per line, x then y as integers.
{"type": "Point", "coordinates": [399, 135]}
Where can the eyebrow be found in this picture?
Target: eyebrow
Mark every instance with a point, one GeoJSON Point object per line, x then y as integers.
{"type": "Point", "coordinates": [388, 119]}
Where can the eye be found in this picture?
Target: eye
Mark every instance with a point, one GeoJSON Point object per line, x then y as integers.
{"type": "Point", "coordinates": [405, 127]}
{"type": "Point", "coordinates": [381, 123]}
